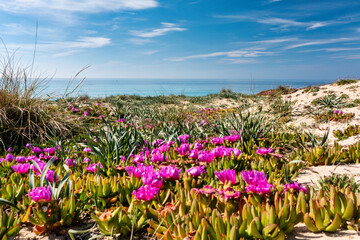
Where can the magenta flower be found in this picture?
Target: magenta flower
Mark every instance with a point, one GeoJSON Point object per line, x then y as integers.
{"type": "Point", "coordinates": [131, 170]}
{"type": "Point", "coordinates": [206, 156]}
{"type": "Point", "coordinates": [183, 138]}
{"type": "Point", "coordinates": [259, 189]}
{"type": "Point", "coordinates": [36, 150]}
{"type": "Point", "coordinates": [295, 187]}
{"type": "Point", "coordinates": [40, 194]}
{"type": "Point", "coordinates": [146, 193]}
{"type": "Point", "coordinates": [9, 157]}
{"type": "Point", "coordinates": [217, 140]}
{"type": "Point", "coordinates": [236, 152]}
{"type": "Point", "coordinates": [70, 162]}
{"type": "Point", "coordinates": [93, 167]}
{"type": "Point", "coordinates": [21, 168]}
{"type": "Point", "coordinates": [336, 111]}
{"type": "Point", "coordinates": [10, 149]}
{"type": "Point", "coordinates": [158, 157]}
{"type": "Point", "coordinates": [28, 145]}
{"type": "Point", "coordinates": [206, 190]}
{"type": "Point", "coordinates": [226, 175]}
{"type": "Point", "coordinates": [87, 149]}
{"type": "Point", "coordinates": [153, 179]}
{"type": "Point", "coordinates": [121, 120]}
{"type": "Point", "coordinates": [86, 160]}
{"type": "Point", "coordinates": [139, 158]}
{"type": "Point", "coordinates": [196, 171]}
{"type": "Point", "coordinates": [253, 177]}
{"type": "Point", "coordinates": [232, 138]}
{"type": "Point", "coordinates": [218, 152]}
{"type": "Point", "coordinates": [198, 146]}
{"type": "Point", "coordinates": [170, 172]}
{"type": "Point", "coordinates": [183, 149]}
{"type": "Point", "coordinates": [264, 151]}
{"type": "Point", "coordinates": [86, 113]}
{"type": "Point", "coordinates": [21, 159]}
{"type": "Point", "coordinates": [194, 154]}
{"type": "Point", "coordinates": [49, 151]}
{"type": "Point", "coordinates": [50, 176]}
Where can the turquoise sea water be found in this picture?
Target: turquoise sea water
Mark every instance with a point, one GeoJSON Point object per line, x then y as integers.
{"type": "Point", "coordinates": [189, 87]}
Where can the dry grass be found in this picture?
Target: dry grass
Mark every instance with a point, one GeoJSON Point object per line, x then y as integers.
{"type": "Point", "coordinates": [25, 117]}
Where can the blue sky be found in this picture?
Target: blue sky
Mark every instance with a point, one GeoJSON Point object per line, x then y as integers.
{"type": "Point", "coordinates": [275, 39]}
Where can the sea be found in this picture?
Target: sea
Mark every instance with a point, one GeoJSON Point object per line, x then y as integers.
{"type": "Point", "coordinates": [96, 87]}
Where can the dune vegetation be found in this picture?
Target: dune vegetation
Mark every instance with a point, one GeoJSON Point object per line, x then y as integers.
{"type": "Point", "coordinates": [223, 166]}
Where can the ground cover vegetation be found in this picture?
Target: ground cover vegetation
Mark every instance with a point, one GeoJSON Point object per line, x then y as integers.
{"type": "Point", "coordinates": [167, 167]}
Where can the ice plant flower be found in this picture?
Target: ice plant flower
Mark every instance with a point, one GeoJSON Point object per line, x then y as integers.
{"type": "Point", "coordinates": [259, 189]}
{"type": "Point", "coordinates": [10, 157]}
{"type": "Point", "coordinates": [153, 179]}
{"type": "Point", "coordinates": [217, 140]}
{"type": "Point", "coordinates": [10, 149]}
{"type": "Point", "coordinates": [232, 138]}
{"type": "Point", "coordinates": [206, 156]}
{"type": "Point", "coordinates": [183, 138]}
{"type": "Point", "coordinates": [183, 149]}
{"type": "Point", "coordinates": [226, 175]}
{"type": "Point", "coordinates": [193, 154]}
{"type": "Point", "coordinates": [264, 151]}
{"type": "Point", "coordinates": [21, 168]}
{"type": "Point", "coordinates": [236, 152]}
{"type": "Point", "coordinates": [131, 170]}
{"type": "Point", "coordinates": [170, 172]}
{"type": "Point", "coordinates": [253, 177]}
{"type": "Point", "coordinates": [36, 150]}
{"type": "Point", "coordinates": [21, 159]}
{"type": "Point", "coordinates": [40, 194]}
{"type": "Point", "coordinates": [138, 158]}
{"type": "Point", "coordinates": [70, 162]}
{"type": "Point", "coordinates": [229, 193]}
{"type": "Point", "coordinates": [50, 176]}
{"type": "Point", "coordinates": [206, 190]}
{"type": "Point", "coordinates": [41, 165]}
{"type": "Point", "coordinates": [196, 171]}
{"type": "Point", "coordinates": [295, 187]}
{"type": "Point", "coordinates": [93, 167]}
{"type": "Point", "coordinates": [198, 146]}
{"type": "Point", "coordinates": [49, 151]}
{"type": "Point", "coordinates": [86, 160]}
{"type": "Point", "coordinates": [146, 193]}
{"type": "Point", "coordinates": [218, 152]}
{"type": "Point", "coordinates": [158, 157]}
{"type": "Point", "coordinates": [87, 149]}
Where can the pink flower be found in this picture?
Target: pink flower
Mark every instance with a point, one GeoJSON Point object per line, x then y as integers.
{"type": "Point", "coordinates": [183, 149]}
{"type": "Point", "coordinates": [121, 120]}
{"type": "Point", "coordinates": [145, 193]}
{"type": "Point", "coordinates": [21, 168]}
{"type": "Point", "coordinates": [206, 156]}
{"type": "Point", "coordinates": [153, 179]}
{"type": "Point", "coordinates": [139, 158]}
{"type": "Point", "coordinates": [217, 140]}
{"type": "Point", "coordinates": [218, 152]}
{"type": "Point", "coordinates": [253, 177]}
{"type": "Point", "coordinates": [336, 111]}
{"type": "Point", "coordinates": [36, 150]}
{"type": "Point", "coordinates": [41, 165]}
{"type": "Point", "coordinates": [10, 157]}
{"type": "Point", "coordinates": [226, 175]}
{"type": "Point", "coordinates": [229, 193]}
{"type": "Point", "coordinates": [86, 113]}
{"type": "Point", "coordinates": [70, 162]}
{"type": "Point", "coordinates": [198, 146]}
{"type": "Point", "coordinates": [264, 151]}
{"type": "Point", "coordinates": [40, 194]}
{"type": "Point", "coordinates": [232, 138]}
{"type": "Point", "coordinates": [196, 171]}
{"type": "Point", "coordinates": [259, 189]}
{"type": "Point", "coordinates": [131, 170]}
{"type": "Point", "coordinates": [50, 176]}
{"type": "Point", "coordinates": [206, 190]}
{"type": "Point", "coordinates": [183, 138]}
{"type": "Point", "coordinates": [93, 167]}
{"type": "Point", "coordinates": [295, 187]}
{"type": "Point", "coordinates": [86, 160]}
{"type": "Point", "coordinates": [158, 157]}
{"type": "Point", "coordinates": [87, 149]}
{"type": "Point", "coordinates": [49, 151]}
{"type": "Point", "coordinates": [236, 152]}
{"type": "Point", "coordinates": [193, 154]}
{"type": "Point", "coordinates": [170, 172]}
{"type": "Point", "coordinates": [21, 159]}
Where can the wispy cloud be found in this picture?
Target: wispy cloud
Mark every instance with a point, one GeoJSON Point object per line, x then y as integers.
{"type": "Point", "coordinates": [320, 42]}
{"type": "Point", "coordinates": [86, 6]}
{"type": "Point", "coordinates": [277, 40]}
{"type": "Point", "coordinates": [150, 52]}
{"type": "Point", "coordinates": [229, 54]}
{"type": "Point", "coordinates": [339, 49]}
{"type": "Point", "coordinates": [64, 48]}
{"type": "Point", "coordinates": [166, 28]}
{"type": "Point", "coordinates": [282, 23]}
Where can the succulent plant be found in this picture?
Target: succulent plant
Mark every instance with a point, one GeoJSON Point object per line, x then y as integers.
{"type": "Point", "coordinates": [9, 224]}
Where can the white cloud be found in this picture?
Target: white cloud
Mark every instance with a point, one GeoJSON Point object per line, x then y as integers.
{"type": "Point", "coordinates": [230, 54]}
{"type": "Point", "coordinates": [320, 42]}
{"type": "Point", "coordinates": [150, 52]}
{"type": "Point", "coordinates": [277, 40]}
{"type": "Point", "coordinates": [166, 28]}
{"type": "Point", "coordinates": [64, 48]}
{"type": "Point", "coordinates": [281, 23]}
{"type": "Point", "coordinates": [332, 49]}
{"type": "Point", "coordinates": [92, 6]}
